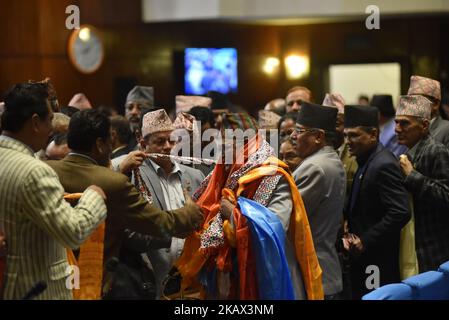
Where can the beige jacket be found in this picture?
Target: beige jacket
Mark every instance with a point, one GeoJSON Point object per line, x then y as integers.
{"type": "Point", "coordinates": [39, 225]}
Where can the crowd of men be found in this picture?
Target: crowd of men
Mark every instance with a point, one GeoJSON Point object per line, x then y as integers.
{"type": "Point", "coordinates": [349, 187]}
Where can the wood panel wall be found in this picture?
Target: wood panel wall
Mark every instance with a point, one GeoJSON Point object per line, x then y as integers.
{"type": "Point", "coordinates": [33, 42]}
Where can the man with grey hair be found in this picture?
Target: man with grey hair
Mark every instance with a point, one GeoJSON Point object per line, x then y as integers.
{"type": "Point", "coordinates": [425, 167]}
{"type": "Point", "coordinates": [163, 183]}
{"type": "Point", "coordinates": [60, 125]}
{"type": "Point", "coordinates": [321, 181]}
{"type": "Point", "coordinates": [429, 88]}
{"type": "Point", "coordinates": [277, 106]}
{"type": "Point", "coordinates": [138, 98]}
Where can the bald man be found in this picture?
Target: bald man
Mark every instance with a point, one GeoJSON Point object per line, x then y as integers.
{"type": "Point", "coordinates": [296, 96]}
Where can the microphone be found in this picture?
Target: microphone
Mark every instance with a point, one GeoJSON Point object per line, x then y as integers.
{"type": "Point", "coordinates": [36, 290]}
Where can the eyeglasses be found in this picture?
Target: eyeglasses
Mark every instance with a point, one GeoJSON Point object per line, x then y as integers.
{"type": "Point", "coordinates": [302, 130]}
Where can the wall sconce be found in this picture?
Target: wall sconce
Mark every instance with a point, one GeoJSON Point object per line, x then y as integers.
{"type": "Point", "coordinates": [271, 65]}
{"type": "Point", "coordinates": [296, 66]}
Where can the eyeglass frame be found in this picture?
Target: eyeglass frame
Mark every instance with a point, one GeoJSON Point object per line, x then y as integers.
{"type": "Point", "coordinates": [302, 130]}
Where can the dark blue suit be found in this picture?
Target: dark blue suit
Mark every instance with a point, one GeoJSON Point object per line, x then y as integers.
{"type": "Point", "coordinates": [377, 211]}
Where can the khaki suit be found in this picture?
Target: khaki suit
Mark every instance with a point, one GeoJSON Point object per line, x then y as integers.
{"type": "Point", "coordinates": [126, 208]}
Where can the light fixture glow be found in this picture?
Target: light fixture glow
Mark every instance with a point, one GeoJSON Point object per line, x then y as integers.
{"type": "Point", "coordinates": [84, 34]}
{"type": "Point", "coordinates": [270, 66]}
{"type": "Point", "coordinates": [296, 66]}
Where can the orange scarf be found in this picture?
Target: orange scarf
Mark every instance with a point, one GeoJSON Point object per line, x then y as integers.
{"type": "Point", "coordinates": [90, 261]}
{"type": "Point", "coordinates": [299, 231]}
{"type": "Point", "coordinates": [194, 258]}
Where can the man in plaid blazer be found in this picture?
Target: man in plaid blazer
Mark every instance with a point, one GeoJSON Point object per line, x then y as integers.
{"type": "Point", "coordinates": [38, 224]}
{"type": "Point", "coordinates": [426, 169]}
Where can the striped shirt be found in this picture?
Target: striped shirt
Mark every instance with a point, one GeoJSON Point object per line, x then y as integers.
{"type": "Point", "coordinates": [38, 224]}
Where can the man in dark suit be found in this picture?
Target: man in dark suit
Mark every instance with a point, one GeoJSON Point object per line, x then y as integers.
{"type": "Point", "coordinates": [378, 207]}
{"type": "Point", "coordinates": [90, 141]}
{"type": "Point", "coordinates": [426, 172]}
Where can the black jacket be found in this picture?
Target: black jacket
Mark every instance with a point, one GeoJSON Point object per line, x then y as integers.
{"type": "Point", "coordinates": [380, 210]}
{"type": "Point", "coordinates": [429, 185]}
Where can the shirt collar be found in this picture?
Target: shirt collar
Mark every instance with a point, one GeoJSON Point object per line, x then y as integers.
{"type": "Point", "coordinates": [412, 152]}
{"type": "Point", "coordinates": [157, 168]}
{"type": "Point", "coordinates": [8, 138]}
{"type": "Point", "coordinates": [119, 148]}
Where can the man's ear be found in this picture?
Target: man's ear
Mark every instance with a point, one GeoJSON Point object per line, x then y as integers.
{"type": "Point", "coordinates": [142, 143]}
{"type": "Point", "coordinates": [435, 108]}
{"type": "Point", "coordinates": [113, 134]}
{"type": "Point", "coordinates": [35, 122]}
{"type": "Point", "coordinates": [99, 145]}
{"type": "Point", "coordinates": [425, 125]}
{"type": "Point", "coordinates": [374, 134]}
{"type": "Point", "coordinates": [320, 137]}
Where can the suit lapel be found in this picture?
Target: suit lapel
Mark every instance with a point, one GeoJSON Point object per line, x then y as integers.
{"type": "Point", "coordinates": [186, 181]}
{"type": "Point", "coordinates": [360, 175]}
{"type": "Point", "coordinates": [434, 125]}
{"type": "Point", "coordinates": [151, 179]}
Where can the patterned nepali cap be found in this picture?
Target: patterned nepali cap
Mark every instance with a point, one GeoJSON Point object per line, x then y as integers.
{"type": "Point", "coordinates": [424, 86]}
{"type": "Point", "coordinates": [186, 121]}
{"type": "Point", "coordinates": [141, 94]}
{"type": "Point", "coordinates": [414, 105]}
{"type": "Point", "coordinates": [268, 119]}
{"type": "Point", "coordinates": [80, 102]}
{"type": "Point", "coordinates": [185, 103]}
{"type": "Point", "coordinates": [335, 100]}
{"type": "Point", "coordinates": [156, 121]}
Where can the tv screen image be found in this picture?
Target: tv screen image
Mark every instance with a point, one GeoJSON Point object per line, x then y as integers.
{"type": "Point", "coordinates": [210, 69]}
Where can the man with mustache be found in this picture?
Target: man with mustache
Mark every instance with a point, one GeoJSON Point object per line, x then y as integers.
{"type": "Point", "coordinates": [426, 170]}
{"type": "Point", "coordinates": [90, 141]}
{"type": "Point", "coordinates": [378, 207]}
{"type": "Point", "coordinates": [321, 181]}
{"type": "Point", "coordinates": [138, 98]}
{"type": "Point", "coordinates": [431, 89]}
{"type": "Point", "coordinates": [166, 184]}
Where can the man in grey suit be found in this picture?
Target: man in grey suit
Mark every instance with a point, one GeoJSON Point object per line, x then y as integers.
{"type": "Point", "coordinates": [321, 181]}
{"type": "Point", "coordinates": [164, 183]}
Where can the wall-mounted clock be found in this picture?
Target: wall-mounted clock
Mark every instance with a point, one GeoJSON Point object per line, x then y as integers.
{"type": "Point", "coordinates": [86, 49]}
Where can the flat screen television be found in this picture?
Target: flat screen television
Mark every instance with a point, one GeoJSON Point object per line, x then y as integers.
{"type": "Point", "coordinates": [208, 69]}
